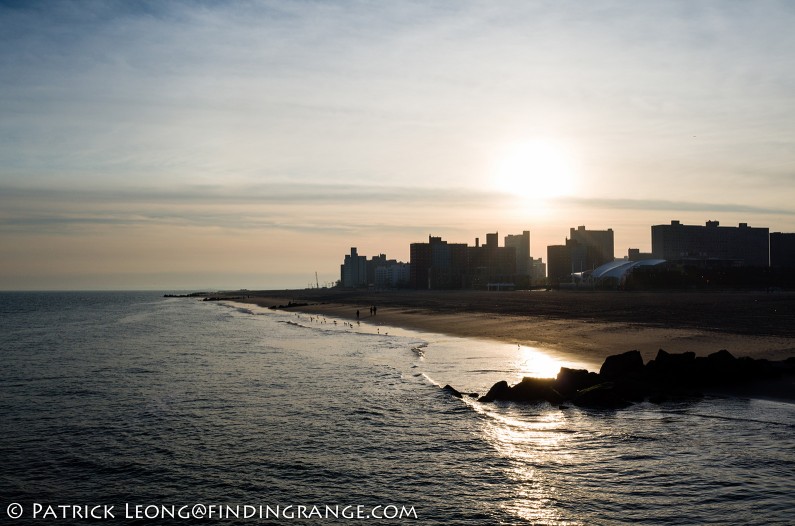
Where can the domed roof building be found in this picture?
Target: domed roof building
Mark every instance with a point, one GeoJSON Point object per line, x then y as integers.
{"type": "Point", "coordinates": [612, 274]}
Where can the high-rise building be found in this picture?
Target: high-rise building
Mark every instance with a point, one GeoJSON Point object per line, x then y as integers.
{"type": "Point", "coordinates": [538, 272]}
{"type": "Point", "coordinates": [521, 243]}
{"type": "Point", "coordinates": [590, 248]}
{"type": "Point", "coordinates": [584, 250]}
{"type": "Point", "coordinates": [739, 246]}
{"type": "Point", "coordinates": [558, 264]}
{"type": "Point", "coordinates": [782, 250]}
{"type": "Point", "coordinates": [490, 263]}
{"type": "Point", "coordinates": [372, 264]}
{"type": "Point", "coordinates": [353, 272]}
{"type": "Point", "coordinates": [438, 264]}
{"type": "Point", "coordinates": [634, 254]}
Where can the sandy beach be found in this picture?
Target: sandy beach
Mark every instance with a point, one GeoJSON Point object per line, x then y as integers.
{"type": "Point", "coordinates": [581, 326]}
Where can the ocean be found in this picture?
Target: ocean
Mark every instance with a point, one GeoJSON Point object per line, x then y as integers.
{"type": "Point", "coordinates": [127, 407]}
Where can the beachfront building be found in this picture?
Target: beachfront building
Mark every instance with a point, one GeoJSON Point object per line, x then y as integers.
{"type": "Point", "coordinates": [394, 275]}
{"type": "Point", "coordinates": [584, 250]}
{"type": "Point", "coordinates": [782, 250]}
{"type": "Point", "coordinates": [558, 264]}
{"type": "Point", "coordinates": [612, 275]}
{"type": "Point", "coordinates": [521, 244]}
{"type": "Point", "coordinates": [634, 254]}
{"type": "Point", "coordinates": [353, 271]}
{"type": "Point", "coordinates": [590, 248]}
{"type": "Point", "coordinates": [491, 264]}
{"type": "Point", "coordinates": [437, 264]}
{"type": "Point", "coordinates": [538, 272]}
{"type": "Point", "coordinates": [375, 262]}
{"type": "Point", "coordinates": [740, 246]}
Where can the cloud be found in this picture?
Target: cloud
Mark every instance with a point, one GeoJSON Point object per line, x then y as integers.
{"type": "Point", "coordinates": [319, 209]}
{"type": "Point", "coordinates": [658, 204]}
{"type": "Point", "coordinates": [317, 91]}
{"type": "Point", "coordinates": [288, 206]}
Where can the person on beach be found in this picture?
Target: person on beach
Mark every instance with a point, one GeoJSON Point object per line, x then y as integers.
{"type": "Point", "coordinates": [357, 314]}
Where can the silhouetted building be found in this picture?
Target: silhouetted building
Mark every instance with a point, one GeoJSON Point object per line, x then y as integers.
{"type": "Point", "coordinates": [558, 264]}
{"type": "Point", "coordinates": [634, 254]}
{"type": "Point", "coordinates": [373, 263]}
{"type": "Point", "coordinates": [782, 250]}
{"type": "Point", "coordinates": [490, 263]}
{"type": "Point", "coordinates": [353, 272]}
{"type": "Point", "coordinates": [735, 246]}
{"type": "Point", "coordinates": [584, 250]}
{"type": "Point", "coordinates": [590, 249]}
{"type": "Point", "coordinates": [538, 272]}
{"type": "Point", "coordinates": [520, 243]}
{"type": "Point", "coordinates": [393, 275]}
{"type": "Point", "coordinates": [438, 264]}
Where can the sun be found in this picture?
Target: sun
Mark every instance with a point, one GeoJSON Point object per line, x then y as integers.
{"type": "Point", "coordinates": [536, 169]}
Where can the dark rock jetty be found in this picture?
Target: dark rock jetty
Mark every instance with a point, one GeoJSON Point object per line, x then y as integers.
{"type": "Point", "coordinates": [624, 379]}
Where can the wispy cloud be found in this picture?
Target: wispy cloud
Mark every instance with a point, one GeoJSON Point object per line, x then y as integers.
{"type": "Point", "coordinates": [673, 206]}
{"type": "Point", "coordinates": [286, 206]}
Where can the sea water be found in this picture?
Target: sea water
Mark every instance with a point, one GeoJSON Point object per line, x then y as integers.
{"type": "Point", "coordinates": [131, 408]}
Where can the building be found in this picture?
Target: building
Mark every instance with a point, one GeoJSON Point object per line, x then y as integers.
{"type": "Point", "coordinates": [521, 244]}
{"type": "Point", "coordinates": [712, 244]}
{"type": "Point", "coordinates": [613, 274]}
{"type": "Point", "coordinates": [584, 250]}
{"type": "Point", "coordinates": [634, 254]}
{"type": "Point", "coordinates": [373, 263]}
{"type": "Point", "coordinates": [394, 275]}
{"type": "Point", "coordinates": [538, 272]}
{"type": "Point", "coordinates": [353, 272]}
{"type": "Point", "coordinates": [437, 264]}
{"type": "Point", "coordinates": [491, 264]}
{"type": "Point", "coordinates": [590, 249]}
{"type": "Point", "coordinates": [782, 250]}
{"type": "Point", "coordinates": [558, 264]}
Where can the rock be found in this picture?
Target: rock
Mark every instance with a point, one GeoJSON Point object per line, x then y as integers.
{"type": "Point", "coordinates": [674, 360]}
{"type": "Point", "coordinates": [722, 358]}
{"type": "Point", "coordinates": [569, 381]}
{"type": "Point", "coordinates": [672, 370]}
{"type": "Point", "coordinates": [498, 391]}
{"type": "Point", "coordinates": [623, 379]}
{"type": "Point", "coordinates": [719, 368]}
{"type": "Point", "coordinates": [531, 390]}
{"type": "Point", "coordinates": [452, 390]}
{"type": "Point", "coordinates": [620, 366]}
{"type": "Point", "coordinates": [601, 396]}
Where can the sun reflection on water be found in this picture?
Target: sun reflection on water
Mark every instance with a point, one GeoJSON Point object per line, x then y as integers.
{"type": "Point", "coordinates": [534, 362]}
{"type": "Point", "coordinates": [533, 442]}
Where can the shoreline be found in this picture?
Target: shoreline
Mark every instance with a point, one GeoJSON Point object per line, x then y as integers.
{"type": "Point", "coordinates": [583, 327]}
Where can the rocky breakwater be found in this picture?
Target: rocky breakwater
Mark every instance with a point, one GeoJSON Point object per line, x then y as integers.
{"type": "Point", "coordinates": [624, 380]}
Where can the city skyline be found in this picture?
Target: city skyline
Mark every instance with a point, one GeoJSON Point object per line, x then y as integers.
{"type": "Point", "coordinates": [237, 145]}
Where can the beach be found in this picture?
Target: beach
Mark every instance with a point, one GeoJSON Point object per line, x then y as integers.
{"type": "Point", "coordinates": [584, 326]}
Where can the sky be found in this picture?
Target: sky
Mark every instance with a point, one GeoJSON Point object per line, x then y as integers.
{"type": "Point", "coordinates": [207, 145]}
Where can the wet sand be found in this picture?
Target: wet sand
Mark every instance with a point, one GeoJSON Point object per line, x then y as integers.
{"type": "Point", "coordinates": [584, 326]}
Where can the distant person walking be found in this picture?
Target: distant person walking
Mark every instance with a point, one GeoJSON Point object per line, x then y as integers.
{"type": "Point", "coordinates": [357, 314]}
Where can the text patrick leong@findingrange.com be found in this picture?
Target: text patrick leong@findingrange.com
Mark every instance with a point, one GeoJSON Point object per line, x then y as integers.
{"type": "Point", "coordinates": [207, 511]}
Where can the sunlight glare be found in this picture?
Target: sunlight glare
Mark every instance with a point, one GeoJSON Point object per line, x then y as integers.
{"type": "Point", "coordinates": [535, 363]}
{"type": "Point", "coordinates": [535, 169]}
